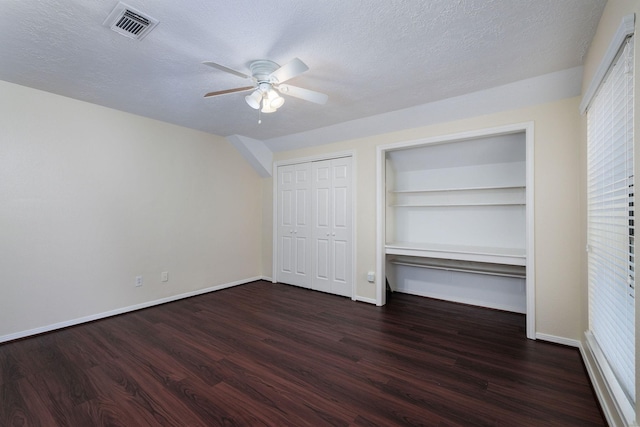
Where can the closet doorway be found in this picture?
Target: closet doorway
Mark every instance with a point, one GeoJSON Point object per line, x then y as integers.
{"type": "Point", "coordinates": [455, 219]}
{"type": "Point", "coordinates": [314, 224]}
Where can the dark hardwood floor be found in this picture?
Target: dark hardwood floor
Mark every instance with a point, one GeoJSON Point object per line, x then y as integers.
{"type": "Point", "coordinates": [263, 354]}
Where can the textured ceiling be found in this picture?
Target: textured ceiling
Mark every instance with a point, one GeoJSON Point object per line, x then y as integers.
{"type": "Point", "coordinates": [370, 57]}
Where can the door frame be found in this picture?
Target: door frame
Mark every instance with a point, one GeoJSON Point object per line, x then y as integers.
{"type": "Point", "coordinates": [319, 157]}
{"type": "Point", "coordinates": [381, 151]}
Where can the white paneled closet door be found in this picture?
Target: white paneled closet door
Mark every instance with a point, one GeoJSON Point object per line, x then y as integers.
{"type": "Point", "coordinates": [332, 226]}
{"type": "Point", "coordinates": [294, 224]}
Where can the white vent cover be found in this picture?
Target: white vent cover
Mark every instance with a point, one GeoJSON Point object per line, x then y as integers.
{"type": "Point", "coordinates": [130, 22]}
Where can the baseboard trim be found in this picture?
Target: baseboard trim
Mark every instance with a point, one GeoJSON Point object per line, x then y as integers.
{"type": "Point", "coordinates": [468, 301]}
{"type": "Point", "coordinates": [365, 299]}
{"type": "Point", "coordinates": [617, 411]}
{"type": "Point", "coordinates": [268, 279]}
{"type": "Point", "coordinates": [558, 340]}
{"type": "Point", "coordinates": [591, 371]}
{"type": "Point", "coordinates": [98, 316]}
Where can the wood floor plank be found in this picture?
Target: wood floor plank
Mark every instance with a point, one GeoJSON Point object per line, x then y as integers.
{"type": "Point", "coordinates": [267, 354]}
{"type": "Point", "coordinates": [300, 403]}
{"type": "Point", "coordinates": [134, 398]}
{"type": "Point", "coordinates": [13, 410]}
{"type": "Point", "coordinates": [58, 401]}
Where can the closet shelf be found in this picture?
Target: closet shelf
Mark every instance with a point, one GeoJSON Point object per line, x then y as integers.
{"type": "Point", "coordinates": [444, 190]}
{"type": "Point", "coordinates": [508, 256]}
{"type": "Point", "coordinates": [446, 205]}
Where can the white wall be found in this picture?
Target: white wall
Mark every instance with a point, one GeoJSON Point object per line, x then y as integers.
{"type": "Point", "coordinates": [559, 251]}
{"type": "Point", "coordinates": [91, 197]}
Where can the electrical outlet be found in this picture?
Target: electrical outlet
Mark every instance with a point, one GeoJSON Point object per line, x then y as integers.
{"type": "Point", "coordinates": [139, 281]}
{"type": "Point", "coordinates": [371, 276]}
{"type": "Point", "coordinates": [164, 276]}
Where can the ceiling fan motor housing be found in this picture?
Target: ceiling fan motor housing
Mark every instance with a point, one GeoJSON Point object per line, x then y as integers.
{"type": "Point", "coordinates": [262, 69]}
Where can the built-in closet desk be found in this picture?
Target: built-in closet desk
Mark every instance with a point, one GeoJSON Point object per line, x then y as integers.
{"type": "Point", "coordinates": [508, 256]}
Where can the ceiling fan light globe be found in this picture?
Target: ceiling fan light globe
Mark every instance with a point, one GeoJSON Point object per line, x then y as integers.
{"type": "Point", "coordinates": [267, 108]}
{"type": "Point", "coordinates": [254, 99]}
{"type": "Point", "coordinates": [276, 102]}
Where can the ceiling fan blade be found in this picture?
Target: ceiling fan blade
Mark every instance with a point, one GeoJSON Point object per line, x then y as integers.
{"type": "Point", "coordinates": [293, 68]}
{"type": "Point", "coordinates": [222, 92]}
{"type": "Point", "coordinates": [226, 69]}
{"type": "Point", "coordinates": [306, 94]}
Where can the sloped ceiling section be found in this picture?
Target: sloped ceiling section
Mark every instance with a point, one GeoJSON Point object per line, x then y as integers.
{"type": "Point", "coordinates": [259, 156]}
{"type": "Point", "coordinates": [370, 57]}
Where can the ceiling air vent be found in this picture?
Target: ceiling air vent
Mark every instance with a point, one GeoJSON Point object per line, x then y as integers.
{"type": "Point", "coordinates": [130, 22]}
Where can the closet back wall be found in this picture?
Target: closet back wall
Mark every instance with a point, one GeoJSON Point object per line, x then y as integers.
{"type": "Point", "coordinates": [91, 197]}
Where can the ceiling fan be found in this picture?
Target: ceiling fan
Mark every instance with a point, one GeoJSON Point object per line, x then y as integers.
{"type": "Point", "coordinates": [267, 80]}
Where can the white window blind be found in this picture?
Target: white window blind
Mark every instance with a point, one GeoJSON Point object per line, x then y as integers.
{"type": "Point", "coordinates": [610, 234]}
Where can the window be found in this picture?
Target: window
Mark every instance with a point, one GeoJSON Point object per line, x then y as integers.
{"type": "Point", "coordinates": [610, 228]}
